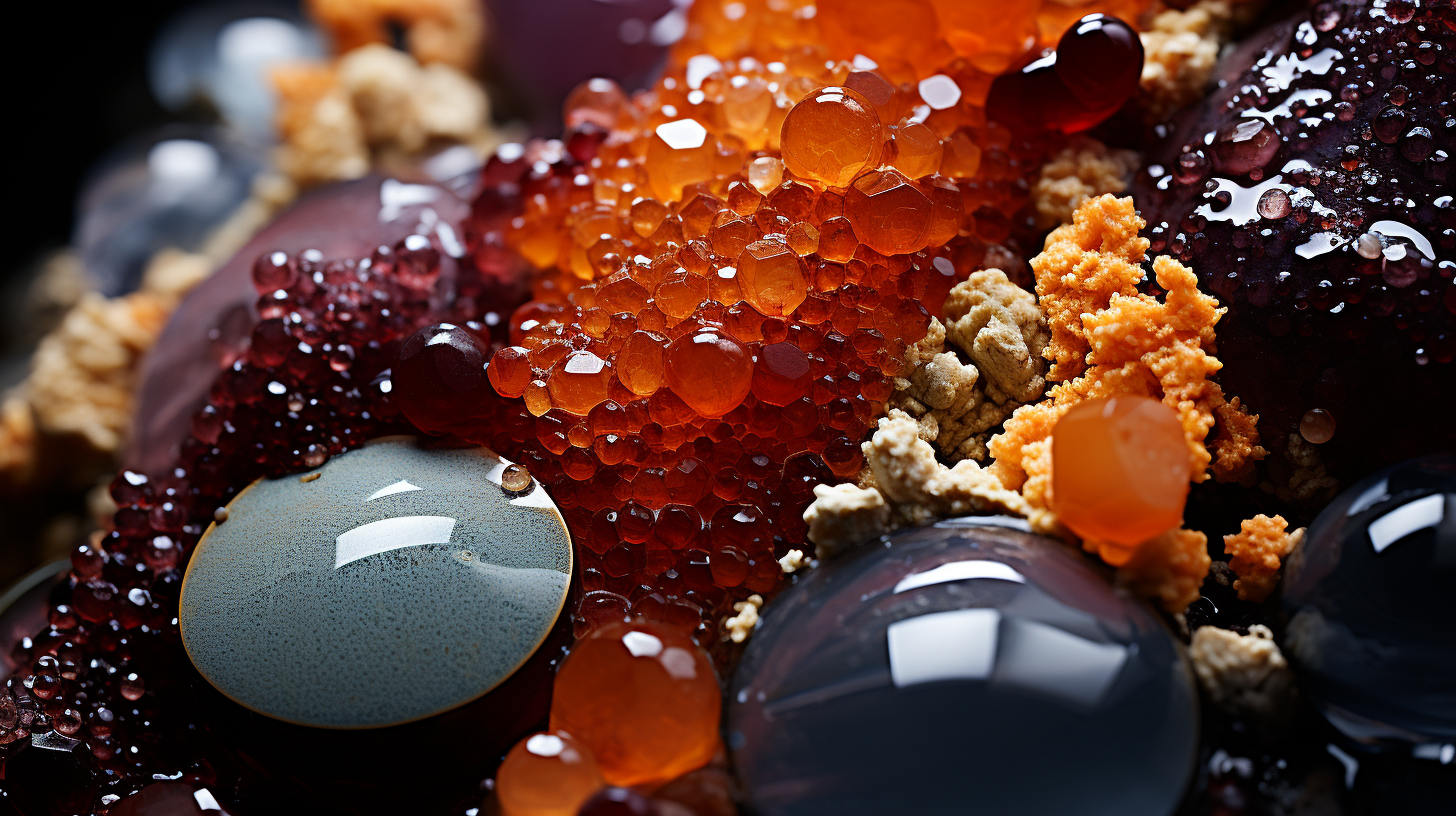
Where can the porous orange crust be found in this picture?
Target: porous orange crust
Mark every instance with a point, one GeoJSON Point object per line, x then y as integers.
{"type": "Point", "coordinates": [1256, 550]}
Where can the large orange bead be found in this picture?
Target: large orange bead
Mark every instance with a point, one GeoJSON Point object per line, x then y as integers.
{"type": "Point", "coordinates": [710, 371]}
{"type": "Point", "coordinates": [548, 774]}
{"type": "Point", "coordinates": [889, 213]}
{"type": "Point", "coordinates": [831, 136]}
{"type": "Point", "coordinates": [643, 697]}
{"type": "Point", "coordinates": [1120, 470]}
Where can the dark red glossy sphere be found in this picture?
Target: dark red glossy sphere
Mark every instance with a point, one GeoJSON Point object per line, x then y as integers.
{"type": "Point", "coordinates": [439, 382]}
{"type": "Point", "coordinates": [1093, 71]}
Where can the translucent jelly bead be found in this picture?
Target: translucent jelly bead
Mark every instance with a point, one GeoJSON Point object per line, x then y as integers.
{"type": "Point", "coordinates": [831, 136]}
{"type": "Point", "coordinates": [772, 277]}
{"type": "Point", "coordinates": [709, 371]}
{"type": "Point", "coordinates": [916, 150]}
{"type": "Point", "coordinates": [679, 153]}
{"type": "Point", "coordinates": [643, 697]}
{"type": "Point", "coordinates": [579, 382]}
{"type": "Point", "coordinates": [1119, 470]}
{"type": "Point", "coordinates": [548, 774]}
{"type": "Point", "coordinates": [440, 380]}
{"type": "Point", "coordinates": [889, 213]}
{"type": "Point", "coordinates": [1099, 60]}
{"type": "Point", "coordinates": [1104, 60]}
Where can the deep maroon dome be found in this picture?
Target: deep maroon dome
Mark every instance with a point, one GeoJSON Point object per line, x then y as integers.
{"type": "Point", "coordinates": [1312, 193]}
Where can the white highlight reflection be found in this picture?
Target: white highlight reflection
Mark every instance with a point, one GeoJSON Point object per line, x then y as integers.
{"type": "Point", "coordinates": [392, 534]}
{"type": "Point", "coordinates": [960, 571]}
{"type": "Point", "coordinates": [401, 486]}
{"type": "Point", "coordinates": [1060, 664]}
{"type": "Point", "coordinates": [958, 645]}
{"type": "Point", "coordinates": [1407, 519]}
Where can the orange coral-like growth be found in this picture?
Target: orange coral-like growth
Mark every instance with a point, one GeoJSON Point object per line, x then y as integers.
{"type": "Point", "coordinates": [1108, 339]}
{"type": "Point", "coordinates": [1256, 550]}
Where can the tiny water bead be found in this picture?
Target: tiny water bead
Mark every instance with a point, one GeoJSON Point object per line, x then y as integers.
{"type": "Point", "coordinates": [964, 665]}
{"type": "Point", "coordinates": [1317, 426]}
{"type": "Point", "coordinates": [1120, 471]}
{"type": "Point", "coordinates": [1371, 593]}
{"type": "Point", "coordinates": [547, 774]}
{"type": "Point", "coordinates": [1303, 196]}
{"type": "Point", "coordinates": [643, 697]}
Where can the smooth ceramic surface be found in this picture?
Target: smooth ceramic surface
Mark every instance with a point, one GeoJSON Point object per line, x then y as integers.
{"type": "Point", "coordinates": [962, 668]}
{"type": "Point", "coordinates": [392, 584]}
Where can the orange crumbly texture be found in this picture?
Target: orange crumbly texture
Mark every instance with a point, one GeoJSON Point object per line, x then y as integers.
{"type": "Point", "coordinates": [1107, 340]}
{"type": "Point", "coordinates": [1256, 551]}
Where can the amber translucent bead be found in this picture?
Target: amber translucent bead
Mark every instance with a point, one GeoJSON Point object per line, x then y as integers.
{"type": "Point", "coordinates": [579, 382]}
{"type": "Point", "coordinates": [1120, 470]}
{"type": "Point", "coordinates": [547, 774]}
{"type": "Point", "coordinates": [643, 697]}
{"type": "Point", "coordinates": [772, 278]}
{"type": "Point", "coordinates": [831, 136]}
{"type": "Point", "coordinates": [710, 371]}
{"type": "Point", "coordinates": [890, 214]}
{"type": "Point", "coordinates": [679, 153]}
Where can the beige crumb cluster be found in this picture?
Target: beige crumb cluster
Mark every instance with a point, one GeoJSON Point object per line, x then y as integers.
{"type": "Point", "coordinates": [1181, 48]}
{"type": "Point", "coordinates": [997, 326]}
{"type": "Point", "coordinates": [1256, 552]}
{"type": "Point", "coordinates": [967, 375]}
{"type": "Point", "coordinates": [374, 106]}
{"type": "Point", "coordinates": [83, 373]}
{"type": "Point", "coordinates": [1085, 168]}
{"type": "Point", "coordinates": [738, 627]}
{"type": "Point", "coordinates": [793, 561]}
{"type": "Point", "coordinates": [1108, 339]}
{"type": "Point", "coordinates": [1243, 674]}
{"type": "Point", "coordinates": [906, 487]}
{"type": "Point", "coordinates": [444, 31]}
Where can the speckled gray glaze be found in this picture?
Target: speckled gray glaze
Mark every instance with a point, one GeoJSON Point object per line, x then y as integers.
{"type": "Point", "coordinates": [961, 669]}
{"type": "Point", "coordinates": [400, 583]}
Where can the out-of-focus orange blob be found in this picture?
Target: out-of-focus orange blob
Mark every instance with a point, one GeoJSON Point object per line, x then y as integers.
{"type": "Point", "coordinates": [548, 774]}
{"type": "Point", "coordinates": [1120, 470]}
{"type": "Point", "coordinates": [643, 697]}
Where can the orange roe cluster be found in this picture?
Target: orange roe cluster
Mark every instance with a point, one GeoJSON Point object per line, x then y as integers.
{"type": "Point", "coordinates": [730, 267]}
{"type": "Point", "coordinates": [1110, 340]}
{"type": "Point", "coordinates": [1256, 551]}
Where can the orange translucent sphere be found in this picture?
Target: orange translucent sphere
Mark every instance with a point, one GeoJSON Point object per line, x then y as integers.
{"type": "Point", "coordinates": [579, 382]}
{"type": "Point", "coordinates": [772, 278]}
{"type": "Point", "coordinates": [643, 697]}
{"type": "Point", "coordinates": [710, 371]}
{"type": "Point", "coordinates": [831, 136]}
{"type": "Point", "coordinates": [1119, 470]}
{"type": "Point", "coordinates": [547, 774]}
{"type": "Point", "coordinates": [889, 213]}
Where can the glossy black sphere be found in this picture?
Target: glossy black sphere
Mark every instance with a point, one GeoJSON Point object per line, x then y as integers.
{"type": "Point", "coordinates": [963, 668]}
{"type": "Point", "coordinates": [1372, 598]}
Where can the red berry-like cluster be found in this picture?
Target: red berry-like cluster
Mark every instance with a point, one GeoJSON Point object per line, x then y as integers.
{"type": "Point", "coordinates": [109, 674]}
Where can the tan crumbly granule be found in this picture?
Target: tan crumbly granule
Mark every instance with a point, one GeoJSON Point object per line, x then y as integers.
{"type": "Point", "coordinates": [909, 488]}
{"type": "Point", "coordinates": [1108, 339]}
{"type": "Point", "coordinates": [1256, 552]}
{"type": "Point", "coordinates": [1298, 476]}
{"type": "Point", "coordinates": [997, 326]}
{"type": "Point", "coordinates": [374, 105]}
{"type": "Point", "coordinates": [1085, 168]}
{"type": "Point", "coordinates": [1244, 675]}
{"type": "Point", "coordinates": [738, 627]}
{"type": "Point", "coordinates": [1181, 49]}
{"type": "Point", "coordinates": [436, 31]}
{"type": "Point", "coordinates": [793, 561]}
{"type": "Point", "coordinates": [83, 373]}
{"type": "Point", "coordinates": [844, 516]}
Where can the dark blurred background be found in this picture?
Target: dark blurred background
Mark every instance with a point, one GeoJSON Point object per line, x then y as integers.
{"type": "Point", "coordinates": [87, 99]}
